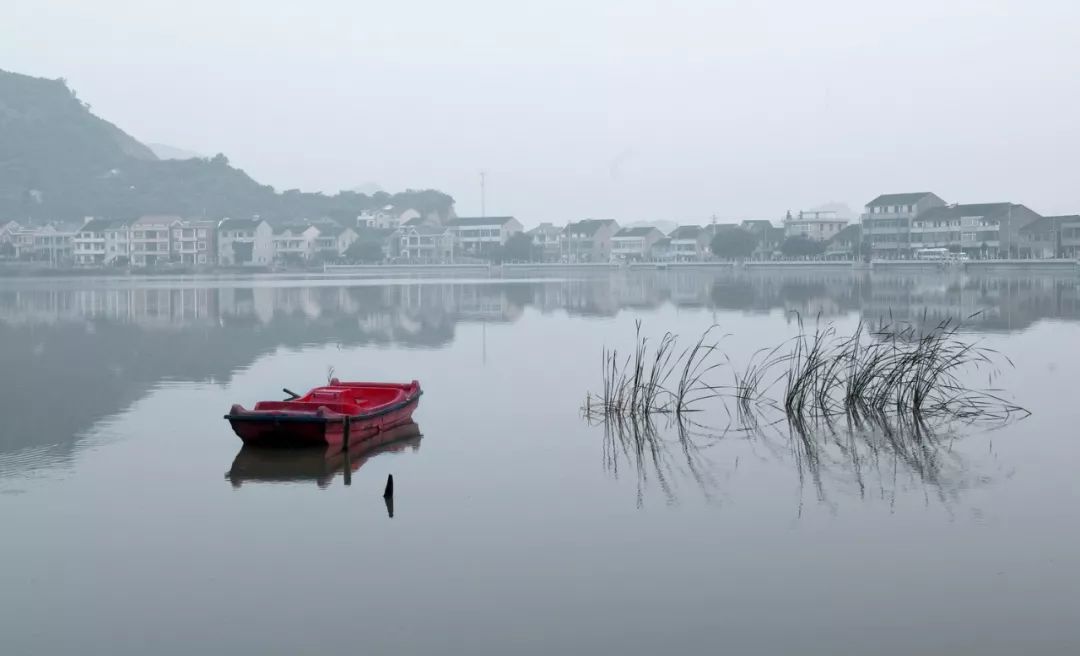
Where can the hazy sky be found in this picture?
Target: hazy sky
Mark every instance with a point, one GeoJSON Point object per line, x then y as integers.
{"type": "Point", "coordinates": [619, 109]}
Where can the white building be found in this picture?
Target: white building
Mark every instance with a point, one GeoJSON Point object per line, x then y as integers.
{"type": "Point", "coordinates": [22, 238]}
{"type": "Point", "coordinates": [548, 241]}
{"type": "Point", "coordinates": [887, 222]}
{"type": "Point", "coordinates": [478, 235]}
{"type": "Point", "coordinates": [193, 242]}
{"type": "Point", "coordinates": [426, 243]}
{"type": "Point", "coordinates": [102, 242]}
{"type": "Point", "coordinates": [334, 240]}
{"type": "Point", "coordinates": [245, 242]}
{"type": "Point", "coordinates": [7, 231]}
{"type": "Point", "coordinates": [151, 240]}
{"type": "Point", "coordinates": [295, 242]}
{"type": "Point", "coordinates": [385, 218]}
{"type": "Point", "coordinates": [689, 243]}
{"type": "Point", "coordinates": [50, 243]}
{"type": "Point", "coordinates": [634, 243]}
{"type": "Point", "coordinates": [589, 240]}
{"type": "Point", "coordinates": [820, 225]}
{"type": "Point", "coordinates": [54, 242]}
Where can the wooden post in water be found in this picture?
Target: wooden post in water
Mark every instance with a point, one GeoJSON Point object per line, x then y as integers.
{"type": "Point", "coordinates": [388, 495]}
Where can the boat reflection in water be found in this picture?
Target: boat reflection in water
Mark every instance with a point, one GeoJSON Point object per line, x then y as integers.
{"type": "Point", "coordinates": [319, 464]}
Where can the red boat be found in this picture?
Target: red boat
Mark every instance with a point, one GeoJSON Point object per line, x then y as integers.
{"type": "Point", "coordinates": [321, 415]}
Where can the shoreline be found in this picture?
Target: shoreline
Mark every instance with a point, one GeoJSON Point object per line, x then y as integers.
{"type": "Point", "coordinates": [499, 270]}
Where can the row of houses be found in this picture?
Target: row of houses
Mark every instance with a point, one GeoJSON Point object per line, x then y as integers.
{"type": "Point", "coordinates": [895, 226]}
{"type": "Point", "coordinates": [157, 240]}
{"type": "Point", "coordinates": [48, 243]}
{"type": "Point", "coordinates": [603, 240]}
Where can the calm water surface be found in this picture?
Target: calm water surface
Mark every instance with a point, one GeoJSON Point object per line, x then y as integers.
{"type": "Point", "coordinates": [518, 527]}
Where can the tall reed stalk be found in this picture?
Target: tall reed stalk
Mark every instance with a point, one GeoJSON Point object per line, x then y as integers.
{"type": "Point", "coordinates": [891, 370]}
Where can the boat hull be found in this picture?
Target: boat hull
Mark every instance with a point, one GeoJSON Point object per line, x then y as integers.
{"type": "Point", "coordinates": [285, 426]}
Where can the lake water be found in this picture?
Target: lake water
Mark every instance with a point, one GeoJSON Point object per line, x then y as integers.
{"type": "Point", "coordinates": [518, 527]}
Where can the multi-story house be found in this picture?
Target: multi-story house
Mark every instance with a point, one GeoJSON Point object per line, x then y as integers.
{"type": "Point", "coordinates": [887, 221]}
{"type": "Point", "coordinates": [385, 218]}
{"type": "Point", "coordinates": [333, 240]}
{"type": "Point", "coordinates": [589, 240]}
{"type": "Point", "coordinates": [54, 242]}
{"type": "Point", "coordinates": [689, 243]}
{"type": "Point", "coordinates": [983, 230]}
{"type": "Point", "coordinates": [295, 242]}
{"type": "Point", "coordinates": [1070, 236]}
{"type": "Point", "coordinates": [661, 250]}
{"type": "Point", "coordinates": [846, 244]}
{"type": "Point", "coordinates": [815, 225]}
{"type": "Point", "coordinates": [151, 240]}
{"type": "Point", "coordinates": [193, 242]}
{"type": "Point", "coordinates": [7, 229]}
{"type": "Point", "coordinates": [22, 238]}
{"type": "Point", "coordinates": [634, 243]}
{"type": "Point", "coordinates": [245, 242]}
{"type": "Point", "coordinates": [425, 243]}
{"type": "Point", "coordinates": [548, 241]}
{"type": "Point", "coordinates": [118, 242]}
{"type": "Point", "coordinates": [1043, 238]}
{"type": "Point", "coordinates": [102, 242]}
{"type": "Point", "coordinates": [481, 235]}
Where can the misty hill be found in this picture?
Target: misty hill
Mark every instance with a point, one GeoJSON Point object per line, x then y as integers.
{"type": "Point", "coordinates": [58, 161]}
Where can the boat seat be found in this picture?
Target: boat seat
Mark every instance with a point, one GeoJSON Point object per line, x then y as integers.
{"type": "Point", "coordinates": [332, 395]}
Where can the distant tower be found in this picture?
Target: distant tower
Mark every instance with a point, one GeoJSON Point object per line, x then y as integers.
{"type": "Point", "coordinates": [483, 193]}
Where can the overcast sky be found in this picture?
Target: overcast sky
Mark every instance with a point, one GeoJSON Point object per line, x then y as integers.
{"type": "Point", "coordinates": [617, 109]}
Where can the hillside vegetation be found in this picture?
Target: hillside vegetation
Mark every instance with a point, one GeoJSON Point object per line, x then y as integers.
{"type": "Point", "coordinates": [58, 161]}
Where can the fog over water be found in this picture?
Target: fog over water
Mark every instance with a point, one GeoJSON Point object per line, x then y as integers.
{"type": "Point", "coordinates": [135, 523]}
{"type": "Point", "coordinates": [625, 110]}
{"type": "Point", "coordinates": [892, 494]}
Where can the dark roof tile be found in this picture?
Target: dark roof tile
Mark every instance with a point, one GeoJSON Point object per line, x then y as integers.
{"type": "Point", "coordinates": [686, 232]}
{"type": "Point", "coordinates": [589, 227]}
{"type": "Point", "coordinates": [479, 220]}
{"type": "Point", "coordinates": [639, 231]}
{"type": "Point", "coordinates": [899, 199]}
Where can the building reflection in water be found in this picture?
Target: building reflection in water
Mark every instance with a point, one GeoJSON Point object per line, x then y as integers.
{"type": "Point", "coordinates": [100, 345]}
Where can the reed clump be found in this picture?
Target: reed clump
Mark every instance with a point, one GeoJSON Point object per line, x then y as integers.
{"type": "Point", "coordinates": [659, 379]}
{"type": "Point", "coordinates": [887, 372]}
